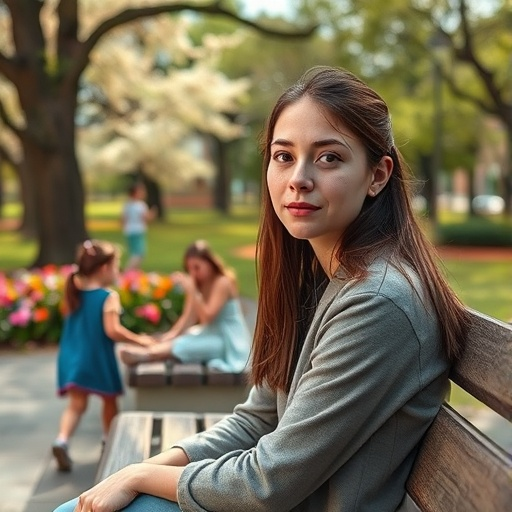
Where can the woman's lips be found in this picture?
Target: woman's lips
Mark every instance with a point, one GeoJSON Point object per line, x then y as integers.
{"type": "Point", "coordinates": [301, 209]}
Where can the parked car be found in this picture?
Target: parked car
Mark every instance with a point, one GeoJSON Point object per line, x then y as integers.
{"type": "Point", "coordinates": [488, 204]}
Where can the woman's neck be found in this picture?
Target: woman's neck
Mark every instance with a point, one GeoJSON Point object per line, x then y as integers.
{"type": "Point", "coordinates": [326, 258]}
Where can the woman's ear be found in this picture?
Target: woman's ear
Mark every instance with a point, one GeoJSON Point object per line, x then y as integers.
{"type": "Point", "coordinates": [380, 175]}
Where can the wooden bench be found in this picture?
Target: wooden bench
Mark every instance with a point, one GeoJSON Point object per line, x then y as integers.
{"type": "Point", "coordinates": [458, 469]}
{"type": "Point", "coordinates": [137, 435]}
{"type": "Point", "coordinates": [166, 386]}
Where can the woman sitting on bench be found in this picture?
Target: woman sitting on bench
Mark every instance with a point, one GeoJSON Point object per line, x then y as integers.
{"type": "Point", "coordinates": [212, 327]}
{"type": "Point", "coordinates": [354, 334]}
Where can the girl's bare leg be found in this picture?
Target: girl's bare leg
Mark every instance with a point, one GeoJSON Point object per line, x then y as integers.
{"type": "Point", "coordinates": [110, 409]}
{"type": "Point", "coordinates": [77, 405]}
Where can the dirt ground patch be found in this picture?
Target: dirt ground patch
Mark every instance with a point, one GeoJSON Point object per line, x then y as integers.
{"type": "Point", "coordinates": [445, 252]}
{"type": "Point", "coordinates": [475, 253]}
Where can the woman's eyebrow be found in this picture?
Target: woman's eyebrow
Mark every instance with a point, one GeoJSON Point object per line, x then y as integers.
{"type": "Point", "coordinates": [282, 142]}
{"type": "Point", "coordinates": [318, 143]}
{"type": "Point", "coordinates": [330, 142]}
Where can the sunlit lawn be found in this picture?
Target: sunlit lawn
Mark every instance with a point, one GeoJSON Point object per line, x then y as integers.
{"type": "Point", "coordinates": [483, 285]}
{"type": "Point", "coordinates": [167, 240]}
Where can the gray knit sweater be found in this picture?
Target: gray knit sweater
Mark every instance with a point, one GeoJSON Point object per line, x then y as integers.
{"type": "Point", "coordinates": [369, 381]}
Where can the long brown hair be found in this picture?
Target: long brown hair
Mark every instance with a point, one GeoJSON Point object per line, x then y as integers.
{"type": "Point", "coordinates": [289, 275]}
{"type": "Point", "coordinates": [91, 255]}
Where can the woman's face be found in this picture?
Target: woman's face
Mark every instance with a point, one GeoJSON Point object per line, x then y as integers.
{"type": "Point", "coordinates": [318, 175]}
{"type": "Point", "coordinates": [199, 269]}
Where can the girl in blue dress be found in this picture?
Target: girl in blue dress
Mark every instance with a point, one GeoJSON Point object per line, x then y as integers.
{"type": "Point", "coordinates": [212, 328]}
{"type": "Point", "coordinates": [87, 362]}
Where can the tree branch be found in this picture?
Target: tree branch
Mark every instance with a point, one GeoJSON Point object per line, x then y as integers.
{"type": "Point", "coordinates": [466, 53]}
{"type": "Point", "coordinates": [67, 37]}
{"type": "Point", "coordinates": [128, 15]}
{"type": "Point", "coordinates": [464, 95]}
{"type": "Point", "coordinates": [27, 33]}
{"type": "Point", "coordinates": [8, 121]}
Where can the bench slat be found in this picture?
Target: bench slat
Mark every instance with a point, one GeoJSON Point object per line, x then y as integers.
{"type": "Point", "coordinates": [148, 374]}
{"type": "Point", "coordinates": [211, 418]}
{"type": "Point", "coordinates": [187, 375]}
{"type": "Point", "coordinates": [217, 378]}
{"type": "Point", "coordinates": [485, 368]}
{"type": "Point", "coordinates": [177, 426]}
{"type": "Point", "coordinates": [460, 470]}
{"type": "Point", "coordinates": [131, 443]}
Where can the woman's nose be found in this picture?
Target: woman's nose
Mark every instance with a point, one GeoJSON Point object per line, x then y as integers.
{"type": "Point", "coordinates": [302, 176]}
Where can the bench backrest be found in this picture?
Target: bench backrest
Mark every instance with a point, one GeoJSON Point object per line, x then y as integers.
{"type": "Point", "coordinates": [459, 468]}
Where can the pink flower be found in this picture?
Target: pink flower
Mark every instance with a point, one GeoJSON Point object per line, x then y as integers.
{"type": "Point", "coordinates": [37, 295]}
{"type": "Point", "coordinates": [20, 317]}
{"type": "Point", "coordinates": [150, 312]}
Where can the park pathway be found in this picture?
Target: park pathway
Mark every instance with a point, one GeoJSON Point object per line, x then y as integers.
{"type": "Point", "coordinates": [29, 416]}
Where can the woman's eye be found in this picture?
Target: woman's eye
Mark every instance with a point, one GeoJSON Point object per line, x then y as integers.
{"type": "Point", "coordinates": [282, 157]}
{"type": "Point", "coordinates": [329, 158]}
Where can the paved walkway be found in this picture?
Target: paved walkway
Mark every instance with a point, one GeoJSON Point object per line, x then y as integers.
{"type": "Point", "coordinates": [29, 416]}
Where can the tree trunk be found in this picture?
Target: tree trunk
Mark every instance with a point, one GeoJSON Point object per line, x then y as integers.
{"type": "Point", "coordinates": [28, 226]}
{"type": "Point", "coordinates": [429, 187]}
{"type": "Point", "coordinates": [154, 195]}
{"type": "Point", "coordinates": [507, 172]}
{"type": "Point", "coordinates": [222, 186]}
{"type": "Point", "coordinates": [53, 172]}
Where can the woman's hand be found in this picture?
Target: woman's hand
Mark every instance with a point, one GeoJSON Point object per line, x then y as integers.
{"type": "Point", "coordinates": [146, 341]}
{"type": "Point", "coordinates": [166, 337]}
{"type": "Point", "coordinates": [121, 488]}
{"type": "Point", "coordinates": [113, 493]}
{"type": "Point", "coordinates": [184, 280]}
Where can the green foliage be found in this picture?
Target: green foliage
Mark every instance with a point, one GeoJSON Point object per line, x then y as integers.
{"type": "Point", "coordinates": [476, 231]}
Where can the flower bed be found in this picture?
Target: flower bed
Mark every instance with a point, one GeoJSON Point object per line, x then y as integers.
{"type": "Point", "coordinates": [31, 303]}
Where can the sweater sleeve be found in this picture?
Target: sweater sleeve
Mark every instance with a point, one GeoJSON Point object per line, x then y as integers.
{"type": "Point", "coordinates": [366, 364]}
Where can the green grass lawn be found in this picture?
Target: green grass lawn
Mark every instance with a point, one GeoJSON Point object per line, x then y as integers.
{"type": "Point", "coordinates": [483, 285]}
{"type": "Point", "coordinates": [167, 240]}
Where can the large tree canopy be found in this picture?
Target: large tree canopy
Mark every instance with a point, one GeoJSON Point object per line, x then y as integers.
{"type": "Point", "coordinates": [44, 62]}
{"type": "Point", "coordinates": [148, 92]}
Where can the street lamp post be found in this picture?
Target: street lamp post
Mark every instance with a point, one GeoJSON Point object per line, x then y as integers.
{"type": "Point", "coordinates": [438, 44]}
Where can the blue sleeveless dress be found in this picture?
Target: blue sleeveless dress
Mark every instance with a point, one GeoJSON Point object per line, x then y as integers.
{"type": "Point", "coordinates": [87, 359]}
{"type": "Point", "coordinates": [223, 345]}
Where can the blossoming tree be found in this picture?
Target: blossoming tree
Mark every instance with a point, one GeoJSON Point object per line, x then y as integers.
{"type": "Point", "coordinates": [146, 111]}
{"type": "Point", "coordinates": [44, 62]}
